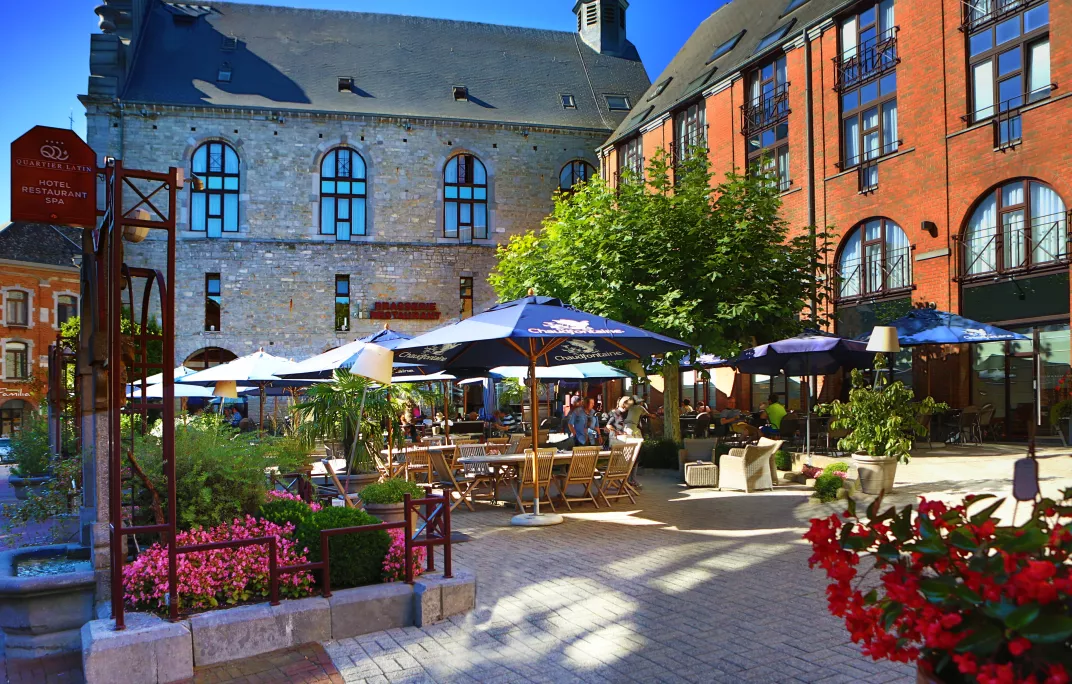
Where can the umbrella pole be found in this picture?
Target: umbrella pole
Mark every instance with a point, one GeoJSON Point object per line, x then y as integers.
{"type": "Point", "coordinates": [357, 437]}
{"type": "Point", "coordinates": [261, 408]}
{"type": "Point", "coordinates": [535, 519]}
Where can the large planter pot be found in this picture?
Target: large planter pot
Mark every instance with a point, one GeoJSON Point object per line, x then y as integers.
{"type": "Point", "coordinates": [875, 473]}
{"type": "Point", "coordinates": [43, 614]}
{"type": "Point", "coordinates": [389, 513]}
{"type": "Point", "coordinates": [24, 485]}
{"type": "Point", "coordinates": [358, 481]}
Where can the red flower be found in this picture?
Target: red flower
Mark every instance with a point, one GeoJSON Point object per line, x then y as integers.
{"type": "Point", "coordinates": [1019, 646]}
{"type": "Point", "coordinates": [1057, 675]}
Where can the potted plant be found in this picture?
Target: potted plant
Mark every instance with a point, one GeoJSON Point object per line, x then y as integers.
{"type": "Point", "coordinates": [32, 456]}
{"type": "Point", "coordinates": [882, 420]}
{"type": "Point", "coordinates": [966, 598]}
{"type": "Point", "coordinates": [384, 499]}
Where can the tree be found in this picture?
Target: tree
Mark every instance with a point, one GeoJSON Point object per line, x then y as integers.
{"type": "Point", "coordinates": [710, 264]}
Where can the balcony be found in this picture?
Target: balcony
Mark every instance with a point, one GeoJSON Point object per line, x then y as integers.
{"type": "Point", "coordinates": [766, 111]}
{"type": "Point", "coordinates": [980, 13]}
{"type": "Point", "coordinates": [1017, 248]}
{"type": "Point", "coordinates": [866, 62]}
{"type": "Point", "coordinates": [873, 276]}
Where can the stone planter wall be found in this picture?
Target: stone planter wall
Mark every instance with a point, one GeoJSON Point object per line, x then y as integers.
{"type": "Point", "coordinates": [153, 650]}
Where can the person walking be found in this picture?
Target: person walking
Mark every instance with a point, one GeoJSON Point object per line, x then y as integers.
{"type": "Point", "coordinates": [577, 422]}
{"type": "Point", "coordinates": [616, 422]}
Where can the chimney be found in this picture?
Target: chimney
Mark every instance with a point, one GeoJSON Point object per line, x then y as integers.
{"type": "Point", "coordinates": [601, 25]}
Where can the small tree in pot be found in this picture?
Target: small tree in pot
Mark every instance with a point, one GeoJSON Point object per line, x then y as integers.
{"type": "Point", "coordinates": [882, 421]}
{"type": "Point", "coordinates": [30, 451]}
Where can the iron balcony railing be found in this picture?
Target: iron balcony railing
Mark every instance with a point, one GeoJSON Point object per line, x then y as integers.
{"type": "Point", "coordinates": [1017, 247]}
{"type": "Point", "coordinates": [867, 61]}
{"type": "Point", "coordinates": [765, 111]}
{"type": "Point", "coordinates": [980, 13]}
{"type": "Point", "coordinates": [871, 274]}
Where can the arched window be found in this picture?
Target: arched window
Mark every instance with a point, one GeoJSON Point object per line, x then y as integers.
{"type": "Point", "coordinates": [66, 308]}
{"type": "Point", "coordinates": [214, 208]}
{"type": "Point", "coordinates": [1016, 226]}
{"type": "Point", "coordinates": [577, 171]}
{"type": "Point", "coordinates": [342, 194]}
{"type": "Point", "coordinates": [208, 357]}
{"type": "Point", "coordinates": [17, 308]}
{"type": "Point", "coordinates": [876, 258]}
{"type": "Point", "coordinates": [465, 199]}
{"type": "Point", "coordinates": [11, 416]}
{"type": "Point", "coordinates": [16, 361]}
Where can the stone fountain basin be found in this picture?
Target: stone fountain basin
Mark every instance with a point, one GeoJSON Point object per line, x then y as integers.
{"type": "Point", "coordinates": [43, 615]}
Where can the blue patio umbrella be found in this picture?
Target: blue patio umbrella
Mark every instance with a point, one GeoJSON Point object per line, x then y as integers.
{"type": "Point", "coordinates": [491, 399]}
{"type": "Point", "coordinates": [931, 326]}
{"type": "Point", "coordinates": [811, 353]}
{"type": "Point", "coordinates": [533, 331]}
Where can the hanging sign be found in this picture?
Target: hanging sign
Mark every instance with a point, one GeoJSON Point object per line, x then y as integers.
{"type": "Point", "coordinates": [53, 178]}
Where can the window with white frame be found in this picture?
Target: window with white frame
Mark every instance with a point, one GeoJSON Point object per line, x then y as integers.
{"type": "Point", "coordinates": [875, 259]}
{"type": "Point", "coordinates": [16, 360]}
{"type": "Point", "coordinates": [17, 308]}
{"type": "Point", "coordinates": [1018, 225]}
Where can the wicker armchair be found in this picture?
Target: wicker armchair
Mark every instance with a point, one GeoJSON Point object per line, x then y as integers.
{"type": "Point", "coordinates": [747, 469]}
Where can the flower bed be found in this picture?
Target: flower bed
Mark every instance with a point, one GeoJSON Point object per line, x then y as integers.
{"type": "Point", "coordinates": [972, 600]}
{"type": "Point", "coordinates": [208, 579]}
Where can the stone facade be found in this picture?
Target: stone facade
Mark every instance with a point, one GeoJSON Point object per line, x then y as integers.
{"type": "Point", "coordinates": [278, 272]}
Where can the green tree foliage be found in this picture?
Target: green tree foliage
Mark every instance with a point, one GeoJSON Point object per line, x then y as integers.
{"type": "Point", "coordinates": [709, 263]}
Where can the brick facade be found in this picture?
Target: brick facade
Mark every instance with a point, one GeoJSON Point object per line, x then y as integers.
{"type": "Point", "coordinates": [943, 166]}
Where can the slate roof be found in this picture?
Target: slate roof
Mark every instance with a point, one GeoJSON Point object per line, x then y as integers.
{"type": "Point", "coordinates": [692, 71]}
{"type": "Point", "coordinates": [40, 243]}
{"type": "Point", "coordinates": [288, 58]}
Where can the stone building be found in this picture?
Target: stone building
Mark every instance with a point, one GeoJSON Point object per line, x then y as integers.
{"type": "Point", "coordinates": [39, 289]}
{"type": "Point", "coordinates": [357, 167]}
{"type": "Point", "coordinates": [922, 134]}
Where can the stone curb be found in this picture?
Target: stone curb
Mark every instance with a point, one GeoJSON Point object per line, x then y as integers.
{"type": "Point", "coordinates": [152, 650]}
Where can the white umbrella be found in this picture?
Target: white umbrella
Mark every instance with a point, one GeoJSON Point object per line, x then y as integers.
{"type": "Point", "coordinates": [258, 369]}
{"type": "Point", "coordinates": [576, 371]}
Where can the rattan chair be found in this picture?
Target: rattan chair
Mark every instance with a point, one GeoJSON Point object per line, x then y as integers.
{"type": "Point", "coordinates": [582, 471]}
{"type": "Point", "coordinates": [747, 469]}
{"type": "Point", "coordinates": [541, 486]}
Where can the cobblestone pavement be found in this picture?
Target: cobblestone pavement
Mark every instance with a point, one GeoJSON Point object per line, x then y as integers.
{"type": "Point", "coordinates": [307, 664]}
{"type": "Point", "coordinates": [687, 585]}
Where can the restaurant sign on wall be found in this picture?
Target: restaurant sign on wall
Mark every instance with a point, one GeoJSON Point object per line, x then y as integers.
{"type": "Point", "coordinates": [426, 311]}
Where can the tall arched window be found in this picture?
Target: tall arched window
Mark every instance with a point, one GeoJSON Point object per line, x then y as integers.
{"type": "Point", "coordinates": [214, 209]}
{"type": "Point", "coordinates": [465, 199]}
{"type": "Point", "coordinates": [1018, 225]}
{"type": "Point", "coordinates": [342, 194]}
{"type": "Point", "coordinates": [876, 258]}
{"type": "Point", "coordinates": [577, 171]}
{"type": "Point", "coordinates": [16, 361]}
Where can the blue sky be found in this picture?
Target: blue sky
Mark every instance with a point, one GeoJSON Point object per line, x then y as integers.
{"type": "Point", "coordinates": [47, 44]}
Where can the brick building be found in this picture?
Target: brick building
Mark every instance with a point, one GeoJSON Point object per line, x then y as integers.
{"type": "Point", "coordinates": [349, 159]}
{"type": "Point", "coordinates": [39, 286]}
{"type": "Point", "coordinates": [926, 136]}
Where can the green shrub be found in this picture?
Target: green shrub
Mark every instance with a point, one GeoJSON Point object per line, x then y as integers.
{"type": "Point", "coordinates": [220, 471]}
{"type": "Point", "coordinates": [659, 453]}
{"type": "Point", "coordinates": [282, 511]}
{"type": "Point", "coordinates": [827, 486]}
{"type": "Point", "coordinates": [783, 461]}
{"type": "Point", "coordinates": [356, 559]}
{"type": "Point", "coordinates": [839, 467]}
{"type": "Point", "coordinates": [29, 449]}
{"type": "Point", "coordinates": [390, 491]}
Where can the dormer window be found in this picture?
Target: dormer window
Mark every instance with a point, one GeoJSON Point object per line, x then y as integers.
{"type": "Point", "coordinates": [618, 103]}
{"type": "Point", "coordinates": [568, 102]}
{"type": "Point", "coordinates": [794, 5]}
{"type": "Point", "coordinates": [224, 73]}
{"type": "Point", "coordinates": [773, 37]}
{"type": "Point", "coordinates": [461, 93]}
{"type": "Point", "coordinates": [346, 84]}
{"type": "Point", "coordinates": [230, 44]}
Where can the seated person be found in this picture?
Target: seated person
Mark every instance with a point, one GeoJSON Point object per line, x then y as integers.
{"type": "Point", "coordinates": [703, 422]}
{"type": "Point", "coordinates": [775, 413]}
{"type": "Point", "coordinates": [727, 417]}
{"type": "Point", "coordinates": [496, 423]}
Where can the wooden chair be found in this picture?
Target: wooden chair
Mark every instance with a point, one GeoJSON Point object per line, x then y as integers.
{"type": "Point", "coordinates": [582, 471]}
{"type": "Point", "coordinates": [480, 474]}
{"type": "Point", "coordinates": [433, 440]}
{"type": "Point", "coordinates": [443, 478]}
{"type": "Point", "coordinates": [545, 460]}
{"type": "Point", "coordinates": [417, 463]}
{"type": "Point", "coordinates": [615, 478]}
{"type": "Point", "coordinates": [519, 444]}
{"type": "Point", "coordinates": [458, 441]}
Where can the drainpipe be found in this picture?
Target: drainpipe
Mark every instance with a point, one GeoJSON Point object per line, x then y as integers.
{"type": "Point", "coordinates": [809, 143]}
